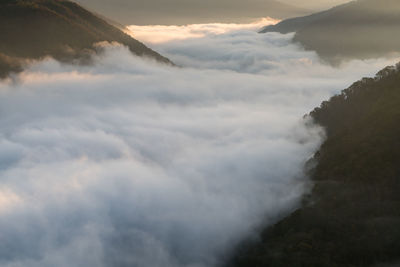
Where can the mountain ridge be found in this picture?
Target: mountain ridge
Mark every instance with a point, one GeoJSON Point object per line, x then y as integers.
{"type": "Point", "coordinates": [352, 215]}
{"type": "Point", "coordinates": [360, 29]}
{"type": "Point", "coordinates": [33, 29]}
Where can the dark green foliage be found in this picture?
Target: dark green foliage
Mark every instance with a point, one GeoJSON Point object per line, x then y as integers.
{"type": "Point", "coordinates": [352, 216]}
{"type": "Point", "coordinates": [359, 29]}
{"type": "Point", "coordinates": [59, 28]}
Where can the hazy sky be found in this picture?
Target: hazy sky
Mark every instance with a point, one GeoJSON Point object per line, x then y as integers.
{"type": "Point", "coordinates": [194, 11]}
{"type": "Point", "coordinates": [315, 4]}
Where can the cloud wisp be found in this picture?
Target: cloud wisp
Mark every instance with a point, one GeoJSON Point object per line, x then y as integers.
{"type": "Point", "coordinates": [131, 163]}
{"type": "Point", "coordinates": [155, 34]}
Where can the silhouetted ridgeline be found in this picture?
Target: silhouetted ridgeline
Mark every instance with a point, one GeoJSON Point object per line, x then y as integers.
{"type": "Point", "coordinates": [359, 29]}
{"type": "Point", "coordinates": [352, 216]}
{"type": "Point", "coordinates": [31, 29]}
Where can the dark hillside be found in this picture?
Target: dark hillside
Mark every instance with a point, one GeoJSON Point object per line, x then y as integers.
{"type": "Point", "coordinates": [360, 29]}
{"type": "Point", "coordinates": [352, 217]}
{"type": "Point", "coordinates": [8, 64]}
{"type": "Point", "coordinates": [36, 28]}
{"type": "Point", "coordinates": [298, 23]}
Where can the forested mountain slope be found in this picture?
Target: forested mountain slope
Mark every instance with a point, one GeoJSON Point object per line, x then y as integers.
{"type": "Point", "coordinates": [31, 29]}
{"type": "Point", "coordinates": [352, 216]}
{"type": "Point", "coordinates": [359, 29]}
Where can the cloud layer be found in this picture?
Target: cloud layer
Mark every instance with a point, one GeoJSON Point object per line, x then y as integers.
{"type": "Point", "coordinates": [131, 163]}
{"type": "Point", "coordinates": [154, 34]}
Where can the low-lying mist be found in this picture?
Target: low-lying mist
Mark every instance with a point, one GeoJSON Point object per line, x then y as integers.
{"type": "Point", "coordinates": [132, 163]}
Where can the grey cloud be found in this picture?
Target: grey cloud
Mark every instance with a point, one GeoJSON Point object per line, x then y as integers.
{"type": "Point", "coordinates": [130, 163]}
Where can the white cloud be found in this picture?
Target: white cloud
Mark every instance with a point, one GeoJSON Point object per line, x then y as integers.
{"type": "Point", "coordinates": [131, 163]}
{"type": "Point", "coordinates": [154, 34]}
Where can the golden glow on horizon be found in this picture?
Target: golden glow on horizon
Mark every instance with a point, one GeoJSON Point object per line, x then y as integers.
{"type": "Point", "coordinates": [8, 199]}
{"type": "Point", "coordinates": [154, 34]}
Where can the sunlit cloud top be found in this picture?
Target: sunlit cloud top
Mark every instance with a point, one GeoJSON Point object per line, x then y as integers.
{"type": "Point", "coordinates": [156, 34]}
{"type": "Point", "coordinates": [8, 200]}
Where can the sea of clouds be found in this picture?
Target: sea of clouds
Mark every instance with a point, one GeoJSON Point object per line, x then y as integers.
{"type": "Point", "coordinates": [132, 163]}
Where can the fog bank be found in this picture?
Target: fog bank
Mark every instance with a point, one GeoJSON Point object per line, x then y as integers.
{"type": "Point", "coordinates": [132, 163]}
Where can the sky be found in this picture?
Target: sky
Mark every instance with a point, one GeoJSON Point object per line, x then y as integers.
{"type": "Point", "coordinates": [130, 162]}
{"type": "Point", "coordinates": [169, 12]}
{"type": "Point", "coordinates": [315, 4]}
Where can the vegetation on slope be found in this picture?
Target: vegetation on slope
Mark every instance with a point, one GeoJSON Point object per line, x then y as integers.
{"type": "Point", "coordinates": [359, 29]}
{"type": "Point", "coordinates": [31, 29]}
{"type": "Point", "coordinates": [352, 216]}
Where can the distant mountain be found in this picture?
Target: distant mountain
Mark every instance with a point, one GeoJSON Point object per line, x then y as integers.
{"type": "Point", "coordinates": [178, 12]}
{"type": "Point", "coordinates": [352, 216]}
{"type": "Point", "coordinates": [32, 29]}
{"type": "Point", "coordinates": [359, 29]}
{"type": "Point", "coordinates": [316, 5]}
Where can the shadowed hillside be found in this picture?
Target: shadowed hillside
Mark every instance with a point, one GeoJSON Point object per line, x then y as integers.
{"type": "Point", "coordinates": [359, 29]}
{"type": "Point", "coordinates": [32, 29]}
{"type": "Point", "coordinates": [352, 216]}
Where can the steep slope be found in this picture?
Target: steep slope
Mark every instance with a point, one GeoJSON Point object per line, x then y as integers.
{"type": "Point", "coordinates": [32, 29]}
{"type": "Point", "coordinates": [191, 11]}
{"type": "Point", "coordinates": [352, 216]}
{"type": "Point", "coordinates": [359, 29]}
